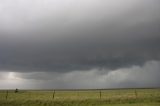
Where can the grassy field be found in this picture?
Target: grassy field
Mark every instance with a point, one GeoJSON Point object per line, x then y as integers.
{"type": "Point", "coordinates": [118, 97]}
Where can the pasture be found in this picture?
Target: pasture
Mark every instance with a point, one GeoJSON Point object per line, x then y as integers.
{"type": "Point", "coordinates": [115, 97]}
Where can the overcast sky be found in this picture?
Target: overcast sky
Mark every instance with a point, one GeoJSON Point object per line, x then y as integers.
{"type": "Point", "coordinates": [79, 44]}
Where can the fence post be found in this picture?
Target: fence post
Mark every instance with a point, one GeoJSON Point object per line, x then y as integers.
{"type": "Point", "coordinates": [100, 94]}
{"type": "Point", "coordinates": [53, 94]}
{"type": "Point", "coordinates": [136, 93]}
{"type": "Point", "coordinates": [7, 95]}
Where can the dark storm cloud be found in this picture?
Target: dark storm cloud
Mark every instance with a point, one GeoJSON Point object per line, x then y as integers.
{"type": "Point", "coordinates": [63, 36]}
{"type": "Point", "coordinates": [135, 76]}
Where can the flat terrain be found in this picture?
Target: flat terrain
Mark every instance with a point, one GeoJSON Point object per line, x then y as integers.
{"type": "Point", "coordinates": [117, 97]}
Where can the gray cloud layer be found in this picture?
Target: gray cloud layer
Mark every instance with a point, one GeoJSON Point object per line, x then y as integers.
{"type": "Point", "coordinates": [68, 35]}
{"type": "Point", "coordinates": [145, 76]}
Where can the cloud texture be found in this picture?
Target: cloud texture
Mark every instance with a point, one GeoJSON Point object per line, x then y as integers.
{"type": "Point", "coordinates": [64, 39]}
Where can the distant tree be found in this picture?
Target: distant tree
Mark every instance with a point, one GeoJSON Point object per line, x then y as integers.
{"type": "Point", "coordinates": [16, 91]}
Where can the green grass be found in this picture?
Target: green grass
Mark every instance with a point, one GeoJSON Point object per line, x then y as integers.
{"type": "Point", "coordinates": [121, 97]}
